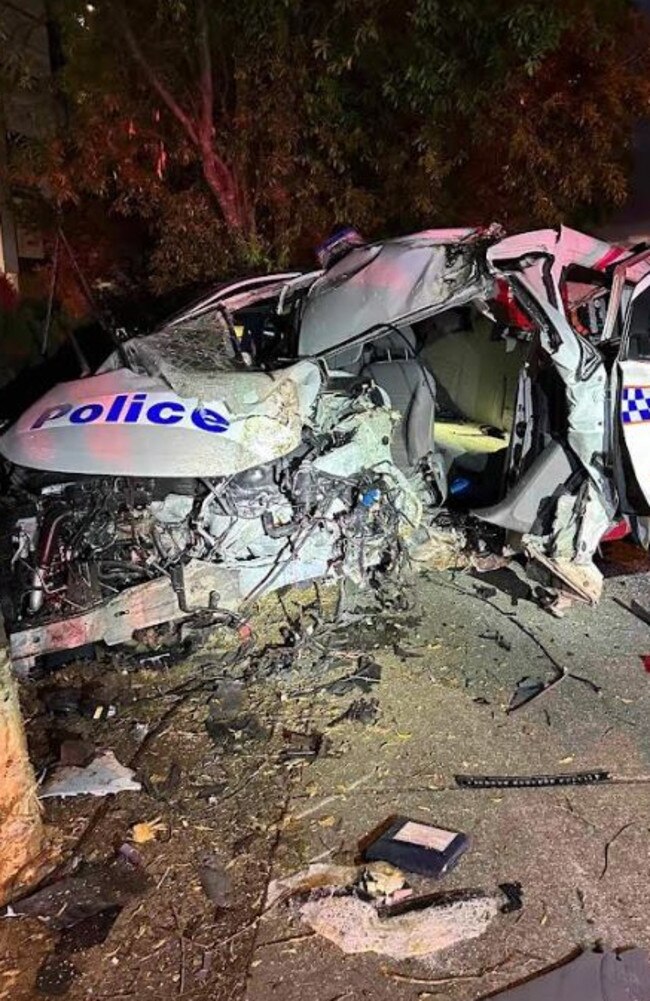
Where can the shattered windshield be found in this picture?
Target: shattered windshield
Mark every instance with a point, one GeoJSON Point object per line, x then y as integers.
{"type": "Point", "coordinates": [186, 356]}
{"type": "Point", "coordinates": [241, 331]}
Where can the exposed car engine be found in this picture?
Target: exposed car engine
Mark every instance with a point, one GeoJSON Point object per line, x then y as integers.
{"type": "Point", "coordinates": [87, 539]}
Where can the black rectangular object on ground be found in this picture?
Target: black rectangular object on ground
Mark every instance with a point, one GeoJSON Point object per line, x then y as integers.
{"type": "Point", "coordinates": [414, 846]}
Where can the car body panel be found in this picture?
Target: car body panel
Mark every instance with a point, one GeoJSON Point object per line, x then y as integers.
{"type": "Point", "coordinates": [122, 423]}
{"type": "Point", "coordinates": [388, 284]}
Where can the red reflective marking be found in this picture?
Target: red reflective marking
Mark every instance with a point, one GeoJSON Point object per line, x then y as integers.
{"type": "Point", "coordinates": [617, 531]}
{"type": "Point", "coordinates": [612, 254]}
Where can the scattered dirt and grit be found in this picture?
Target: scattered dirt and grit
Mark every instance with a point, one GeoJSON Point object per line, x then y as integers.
{"type": "Point", "coordinates": [272, 751]}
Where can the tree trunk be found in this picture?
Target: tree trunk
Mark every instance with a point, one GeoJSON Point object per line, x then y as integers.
{"type": "Point", "coordinates": [223, 184]}
{"type": "Point", "coordinates": [21, 827]}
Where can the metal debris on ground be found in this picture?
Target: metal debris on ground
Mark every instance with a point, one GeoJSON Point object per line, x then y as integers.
{"type": "Point", "coordinates": [131, 854]}
{"type": "Point", "coordinates": [232, 733]}
{"type": "Point", "coordinates": [404, 654]}
{"type": "Point", "coordinates": [512, 900]}
{"type": "Point", "coordinates": [104, 776]}
{"type": "Point", "coordinates": [69, 701]}
{"type": "Point", "coordinates": [228, 697]}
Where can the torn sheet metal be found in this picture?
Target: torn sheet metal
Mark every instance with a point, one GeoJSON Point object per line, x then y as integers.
{"type": "Point", "coordinates": [103, 776]}
{"type": "Point", "coordinates": [560, 248]}
{"type": "Point", "coordinates": [389, 283]}
{"type": "Point", "coordinates": [582, 370]}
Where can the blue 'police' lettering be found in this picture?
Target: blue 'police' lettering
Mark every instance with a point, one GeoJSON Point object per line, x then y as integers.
{"type": "Point", "coordinates": [132, 409]}
{"type": "Point", "coordinates": [86, 414]}
{"type": "Point", "coordinates": [135, 408]}
{"type": "Point", "coordinates": [156, 412]}
{"type": "Point", "coordinates": [208, 420]}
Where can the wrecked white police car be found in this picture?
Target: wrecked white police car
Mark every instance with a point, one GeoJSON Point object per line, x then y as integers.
{"type": "Point", "coordinates": [294, 427]}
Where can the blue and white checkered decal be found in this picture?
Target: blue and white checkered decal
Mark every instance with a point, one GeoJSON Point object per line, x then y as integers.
{"type": "Point", "coordinates": [635, 404]}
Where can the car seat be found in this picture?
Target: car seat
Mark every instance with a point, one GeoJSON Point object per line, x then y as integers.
{"type": "Point", "coordinates": [391, 363]}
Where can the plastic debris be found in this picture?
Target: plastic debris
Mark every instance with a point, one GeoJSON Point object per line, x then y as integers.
{"type": "Point", "coordinates": [530, 781]}
{"type": "Point", "coordinates": [415, 846]}
{"type": "Point", "coordinates": [104, 776]}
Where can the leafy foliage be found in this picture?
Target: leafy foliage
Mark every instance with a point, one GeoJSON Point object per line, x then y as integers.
{"type": "Point", "coordinates": [239, 134]}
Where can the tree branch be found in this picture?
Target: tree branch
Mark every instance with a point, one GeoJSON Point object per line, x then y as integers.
{"type": "Point", "coordinates": [207, 80]}
{"type": "Point", "coordinates": [219, 176]}
{"type": "Point", "coordinates": [153, 78]}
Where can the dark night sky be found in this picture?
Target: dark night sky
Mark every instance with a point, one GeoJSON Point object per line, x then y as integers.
{"type": "Point", "coordinates": [637, 210]}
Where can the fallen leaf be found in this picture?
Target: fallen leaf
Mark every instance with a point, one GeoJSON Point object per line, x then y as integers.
{"type": "Point", "coordinates": [327, 821]}
{"type": "Point", "coordinates": [566, 761]}
{"type": "Point", "coordinates": [147, 830]}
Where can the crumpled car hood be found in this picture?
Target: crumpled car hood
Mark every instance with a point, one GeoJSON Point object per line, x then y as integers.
{"type": "Point", "coordinates": [395, 282]}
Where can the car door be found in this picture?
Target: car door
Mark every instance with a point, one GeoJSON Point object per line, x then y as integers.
{"type": "Point", "coordinates": [631, 404]}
